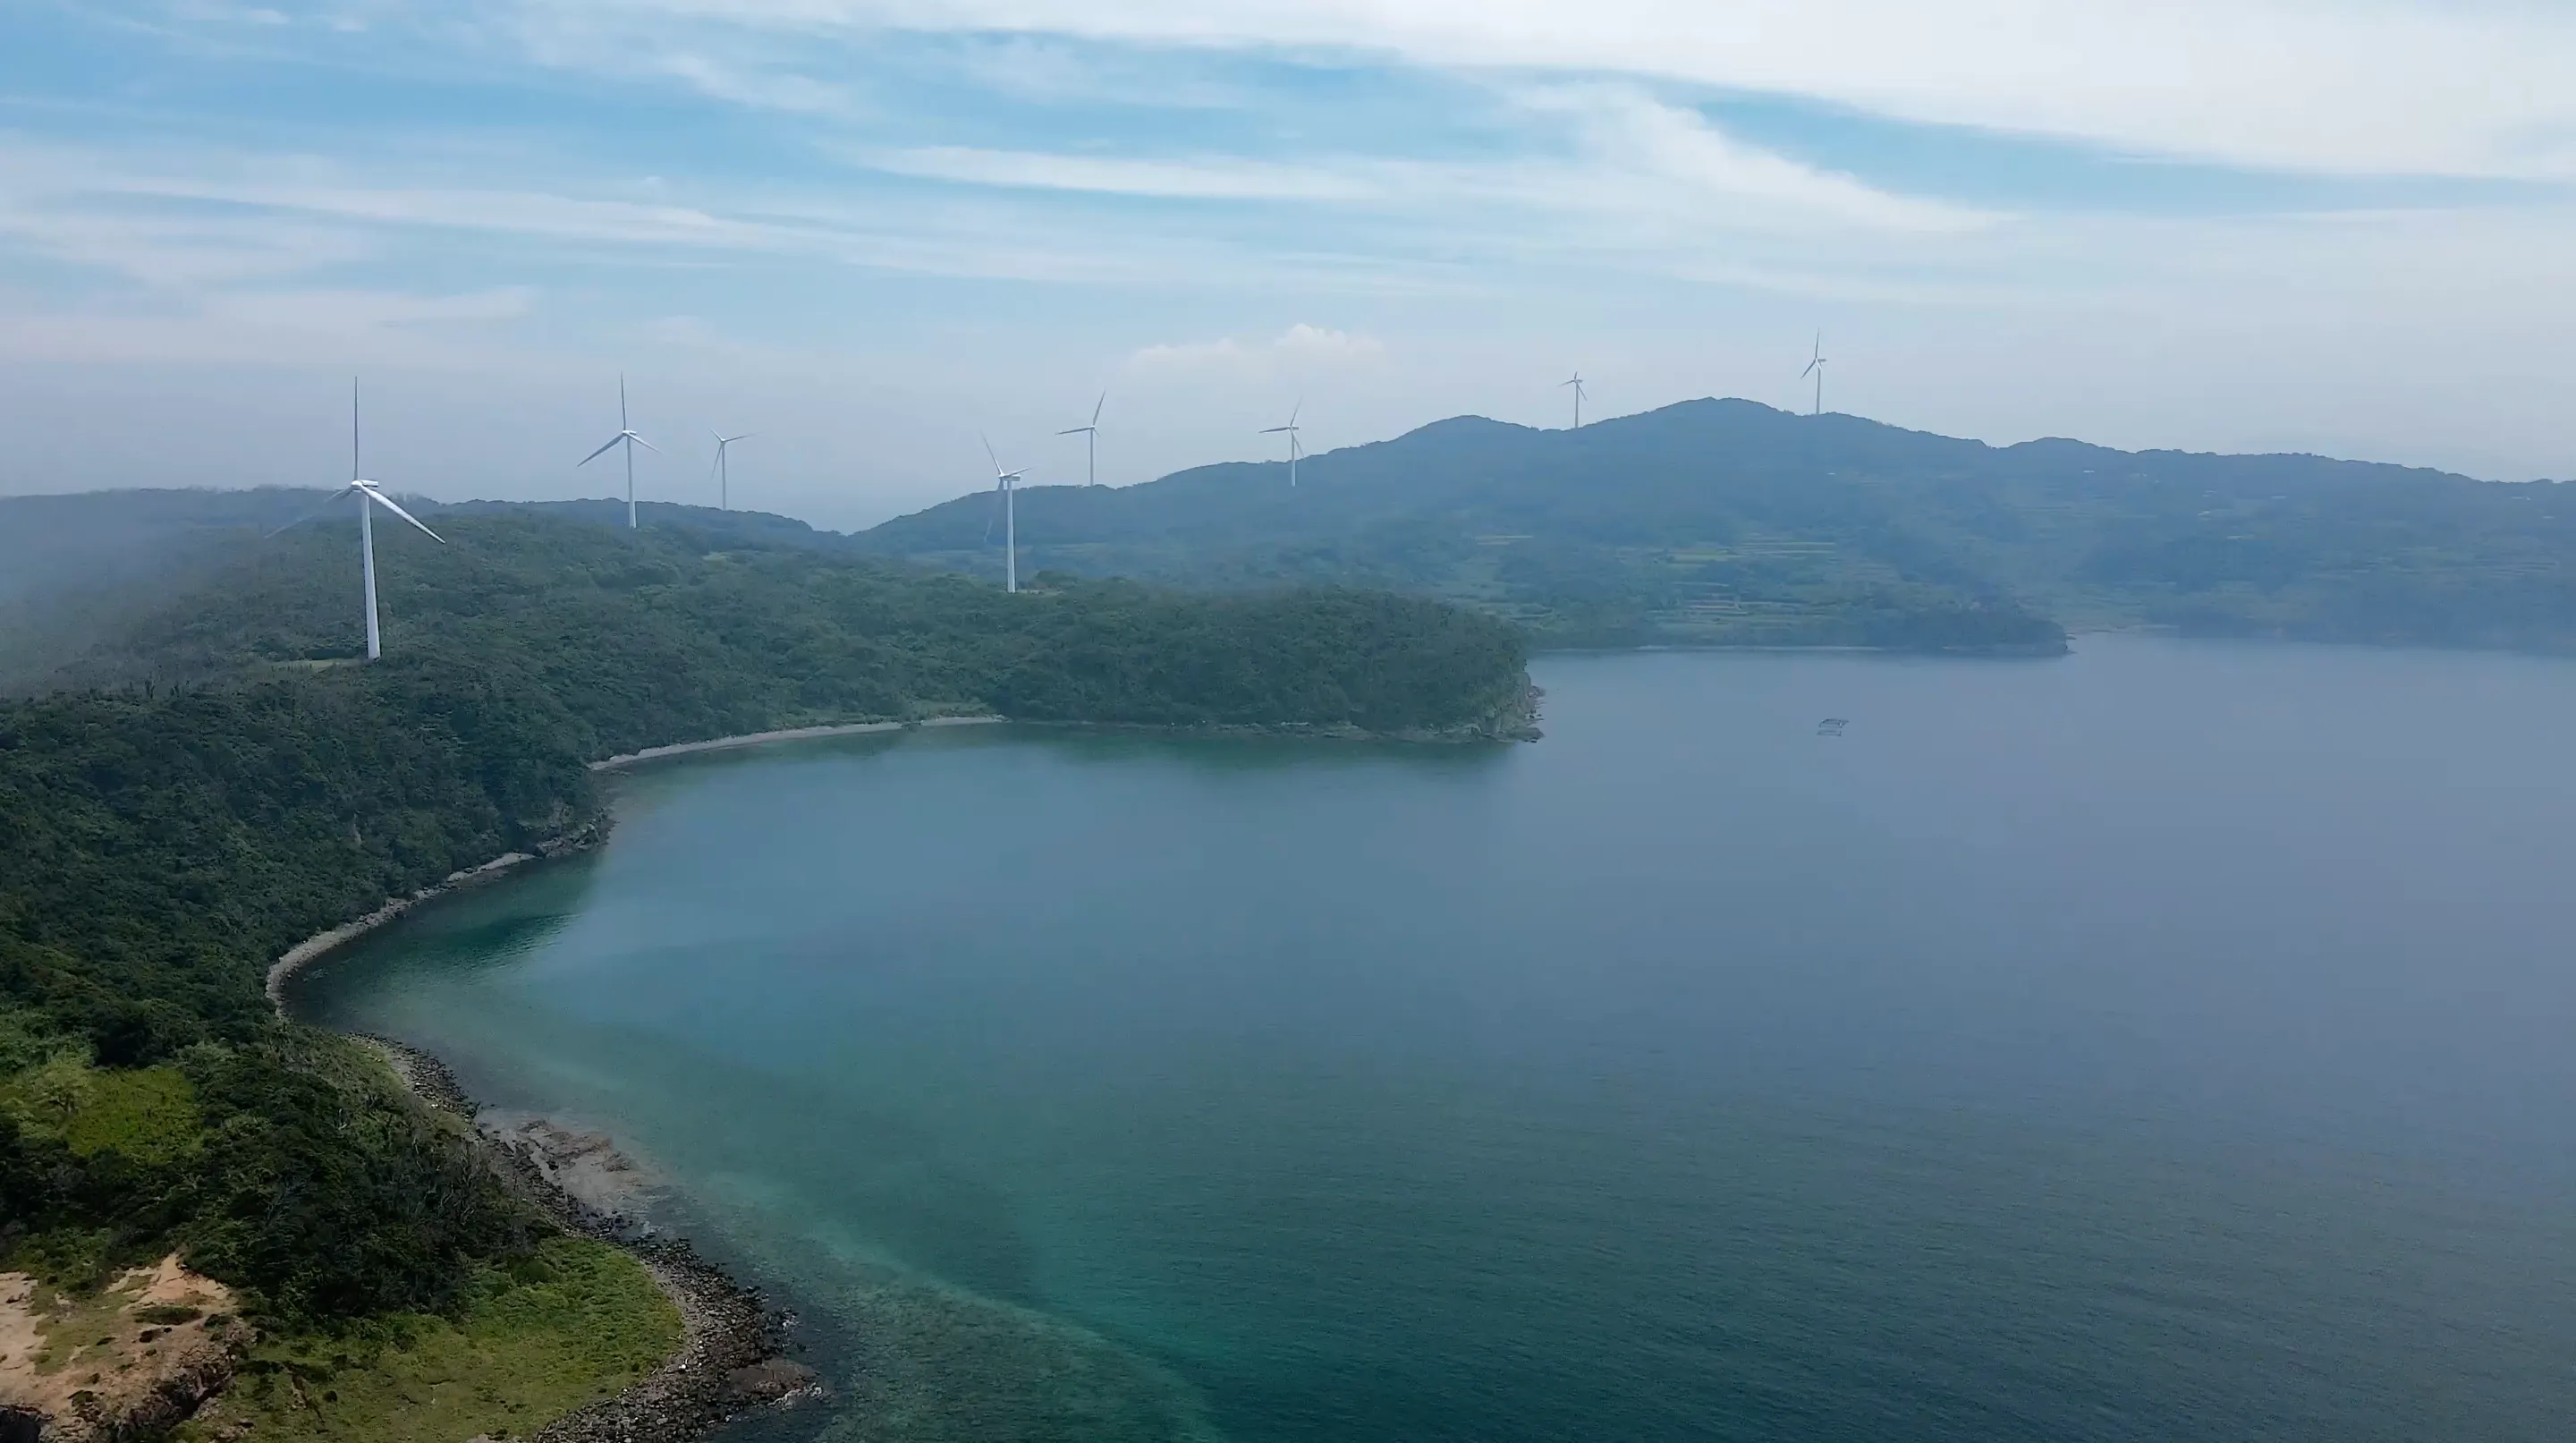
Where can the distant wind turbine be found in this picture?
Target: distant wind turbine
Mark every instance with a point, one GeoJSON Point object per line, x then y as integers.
{"type": "Point", "coordinates": [1816, 368]}
{"type": "Point", "coordinates": [625, 437]}
{"type": "Point", "coordinates": [1006, 483]}
{"type": "Point", "coordinates": [1091, 441]}
{"type": "Point", "coordinates": [369, 498]}
{"type": "Point", "coordinates": [724, 473]}
{"type": "Point", "coordinates": [1577, 384]}
{"type": "Point", "coordinates": [1290, 431]}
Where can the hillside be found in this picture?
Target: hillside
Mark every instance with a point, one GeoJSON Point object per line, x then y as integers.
{"type": "Point", "coordinates": [1729, 523]}
{"type": "Point", "coordinates": [82, 570]}
{"type": "Point", "coordinates": [221, 779]}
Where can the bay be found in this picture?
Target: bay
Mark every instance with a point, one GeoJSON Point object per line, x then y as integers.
{"type": "Point", "coordinates": [2167, 1042]}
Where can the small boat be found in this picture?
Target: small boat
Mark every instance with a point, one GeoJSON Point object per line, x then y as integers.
{"type": "Point", "coordinates": [1832, 726]}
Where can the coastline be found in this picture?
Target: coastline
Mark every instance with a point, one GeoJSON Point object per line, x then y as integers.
{"type": "Point", "coordinates": [312, 949]}
{"type": "Point", "coordinates": [732, 1354]}
{"type": "Point", "coordinates": [1515, 722]}
{"type": "Point", "coordinates": [731, 1358]}
{"type": "Point", "coordinates": [791, 734]}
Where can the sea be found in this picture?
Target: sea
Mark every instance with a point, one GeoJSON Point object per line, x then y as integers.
{"type": "Point", "coordinates": [2172, 1041]}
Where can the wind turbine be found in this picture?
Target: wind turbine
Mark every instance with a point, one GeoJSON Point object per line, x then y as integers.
{"type": "Point", "coordinates": [1091, 441]}
{"type": "Point", "coordinates": [1007, 484]}
{"type": "Point", "coordinates": [1577, 384]}
{"type": "Point", "coordinates": [1290, 431]}
{"type": "Point", "coordinates": [625, 437]}
{"type": "Point", "coordinates": [724, 473]}
{"type": "Point", "coordinates": [1816, 368]}
{"type": "Point", "coordinates": [369, 498]}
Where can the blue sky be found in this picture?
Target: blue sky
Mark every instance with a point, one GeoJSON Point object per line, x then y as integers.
{"type": "Point", "coordinates": [870, 230]}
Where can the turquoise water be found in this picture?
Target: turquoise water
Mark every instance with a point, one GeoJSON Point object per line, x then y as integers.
{"type": "Point", "coordinates": [2170, 1042]}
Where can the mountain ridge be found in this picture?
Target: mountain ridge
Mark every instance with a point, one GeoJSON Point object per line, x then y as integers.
{"type": "Point", "coordinates": [1727, 522]}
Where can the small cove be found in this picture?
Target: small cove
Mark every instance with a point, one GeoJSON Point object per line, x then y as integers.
{"type": "Point", "coordinates": [2163, 1043]}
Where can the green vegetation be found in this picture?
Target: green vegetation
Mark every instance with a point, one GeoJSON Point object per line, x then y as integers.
{"type": "Point", "coordinates": [285, 1162]}
{"type": "Point", "coordinates": [210, 785]}
{"type": "Point", "coordinates": [564, 1326]}
{"type": "Point", "coordinates": [1727, 523]}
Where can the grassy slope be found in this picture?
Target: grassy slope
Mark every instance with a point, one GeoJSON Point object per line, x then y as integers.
{"type": "Point", "coordinates": [565, 1327]}
{"type": "Point", "coordinates": [566, 1324]}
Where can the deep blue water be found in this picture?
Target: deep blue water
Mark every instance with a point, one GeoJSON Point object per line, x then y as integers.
{"type": "Point", "coordinates": [2171, 1042]}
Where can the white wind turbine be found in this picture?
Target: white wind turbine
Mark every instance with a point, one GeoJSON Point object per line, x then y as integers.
{"type": "Point", "coordinates": [724, 473]}
{"type": "Point", "coordinates": [625, 437]}
{"type": "Point", "coordinates": [1577, 384]}
{"type": "Point", "coordinates": [1091, 441]}
{"type": "Point", "coordinates": [1006, 483]}
{"type": "Point", "coordinates": [1290, 431]}
{"type": "Point", "coordinates": [1816, 368]}
{"type": "Point", "coordinates": [369, 498]}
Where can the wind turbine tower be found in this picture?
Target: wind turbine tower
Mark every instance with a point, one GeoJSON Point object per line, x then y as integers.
{"type": "Point", "coordinates": [724, 473]}
{"type": "Point", "coordinates": [1090, 441]}
{"type": "Point", "coordinates": [625, 437]}
{"type": "Point", "coordinates": [1007, 484]}
{"type": "Point", "coordinates": [369, 498]}
{"type": "Point", "coordinates": [1816, 368]}
{"type": "Point", "coordinates": [1577, 384]}
{"type": "Point", "coordinates": [1290, 431]}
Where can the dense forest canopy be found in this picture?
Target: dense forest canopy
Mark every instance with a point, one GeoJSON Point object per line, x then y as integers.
{"type": "Point", "coordinates": [1729, 523]}
{"type": "Point", "coordinates": [221, 778]}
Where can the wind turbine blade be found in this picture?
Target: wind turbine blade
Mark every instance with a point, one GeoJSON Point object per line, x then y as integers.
{"type": "Point", "coordinates": [602, 451]}
{"type": "Point", "coordinates": [316, 511]}
{"type": "Point", "coordinates": [989, 456]}
{"type": "Point", "coordinates": [640, 441]}
{"type": "Point", "coordinates": [1276, 430]}
{"type": "Point", "coordinates": [1078, 430]}
{"type": "Point", "coordinates": [387, 502]}
{"type": "Point", "coordinates": [745, 436]}
{"type": "Point", "coordinates": [1095, 409]}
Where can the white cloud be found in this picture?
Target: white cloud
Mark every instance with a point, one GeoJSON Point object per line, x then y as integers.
{"type": "Point", "coordinates": [1301, 348]}
{"type": "Point", "coordinates": [1619, 165]}
{"type": "Point", "coordinates": [1677, 153]}
{"type": "Point", "coordinates": [2424, 87]}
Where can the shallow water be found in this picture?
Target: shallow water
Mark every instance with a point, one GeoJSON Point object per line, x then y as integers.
{"type": "Point", "coordinates": [2165, 1043]}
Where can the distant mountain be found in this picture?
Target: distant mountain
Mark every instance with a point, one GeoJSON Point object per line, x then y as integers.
{"type": "Point", "coordinates": [1712, 523]}
{"type": "Point", "coordinates": [1730, 523]}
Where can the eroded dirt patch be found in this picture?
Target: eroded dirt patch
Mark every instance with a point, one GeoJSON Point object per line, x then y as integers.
{"type": "Point", "coordinates": [144, 1351]}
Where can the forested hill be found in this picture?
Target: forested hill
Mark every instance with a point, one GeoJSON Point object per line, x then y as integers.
{"type": "Point", "coordinates": [1730, 523]}
{"type": "Point", "coordinates": [225, 779]}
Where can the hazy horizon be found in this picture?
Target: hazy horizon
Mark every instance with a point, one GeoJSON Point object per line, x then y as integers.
{"type": "Point", "coordinates": [613, 492]}
{"type": "Point", "coordinates": [871, 230]}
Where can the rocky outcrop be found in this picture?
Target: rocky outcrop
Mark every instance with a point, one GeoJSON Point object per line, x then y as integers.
{"type": "Point", "coordinates": [125, 1365]}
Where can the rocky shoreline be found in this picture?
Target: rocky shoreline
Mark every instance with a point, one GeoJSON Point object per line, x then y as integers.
{"type": "Point", "coordinates": [321, 944]}
{"type": "Point", "coordinates": [733, 1355]}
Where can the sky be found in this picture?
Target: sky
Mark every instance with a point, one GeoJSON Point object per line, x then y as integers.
{"type": "Point", "coordinates": [875, 233]}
